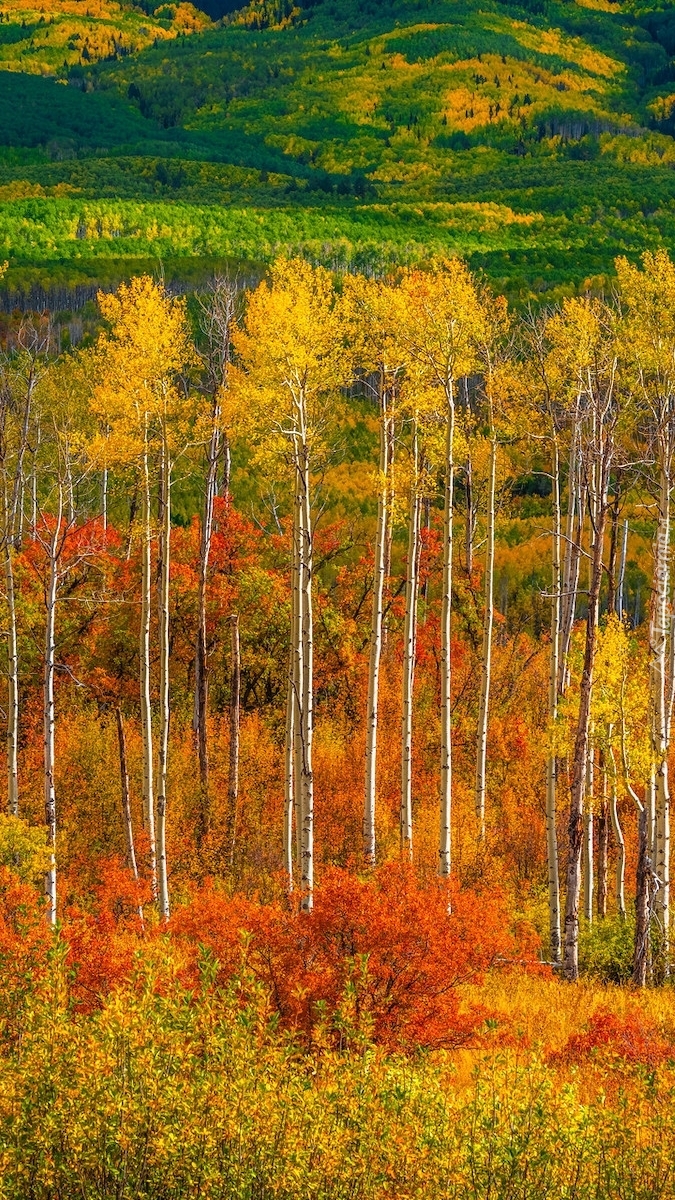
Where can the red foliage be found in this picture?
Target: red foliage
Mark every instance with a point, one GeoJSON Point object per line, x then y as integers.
{"type": "Point", "coordinates": [102, 942]}
{"type": "Point", "coordinates": [388, 943]}
{"type": "Point", "coordinates": [25, 937]}
{"type": "Point", "coordinates": [633, 1039]}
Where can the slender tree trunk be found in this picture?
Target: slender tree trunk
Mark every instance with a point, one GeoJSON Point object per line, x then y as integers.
{"type": "Point", "coordinates": [12, 542]}
{"type": "Point", "coordinates": [126, 797]}
{"type": "Point", "coordinates": [144, 652]}
{"type": "Point", "coordinates": [486, 666]}
{"type": "Point", "coordinates": [612, 582]}
{"type": "Point", "coordinates": [289, 774]}
{"type": "Point", "coordinates": [588, 864]}
{"type": "Point", "coordinates": [620, 874]}
{"type": "Point", "coordinates": [409, 648]}
{"type": "Point", "coordinates": [573, 535]}
{"type": "Point", "coordinates": [575, 829]}
{"type": "Point", "coordinates": [298, 665]}
{"type": "Point", "coordinates": [201, 654]}
{"type": "Point", "coordinates": [376, 631]}
{"type": "Point", "coordinates": [445, 840]}
{"type": "Point", "coordinates": [233, 775]}
{"type": "Point", "coordinates": [620, 595]}
{"type": "Point", "coordinates": [49, 715]}
{"type": "Point", "coordinates": [388, 527]}
{"type": "Point", "coordinates": [641, 953]}
{"type": "Point", "coordinates": [307, 778]}
{"type": "Point", "coordinates": [603, 838]}
{"type": "Point", "coordinates": [12, 742]}
{"type": "Point", "coordinates": [104, 498]}
{"type": "Point", "coordinates": [293, 744]}
{"type": "Point", "coordinates": [470, 519]}
{"type": "Point", "coordinates": [164, 681]}
{"type": "Point", "coordinates": [552, 761]}
{"type": "Point", "coordinates": [661, 732]}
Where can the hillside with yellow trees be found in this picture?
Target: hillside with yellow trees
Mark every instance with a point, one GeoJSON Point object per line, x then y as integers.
{"type": "Point", "coordinates": [534, 140]}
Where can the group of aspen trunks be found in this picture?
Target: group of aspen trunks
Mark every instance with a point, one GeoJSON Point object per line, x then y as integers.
{"type": "Point", "coordinates": [589, 471]}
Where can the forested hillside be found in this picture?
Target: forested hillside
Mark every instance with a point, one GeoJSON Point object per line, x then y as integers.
{"type": "Point", "coordinates": [534, 140]}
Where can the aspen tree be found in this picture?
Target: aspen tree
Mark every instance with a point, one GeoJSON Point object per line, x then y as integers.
{"type": "Point", "coordinates": [20, 375]}
{"type": "Point", "coordinates": [546, 375]}
{"type": "Point", "coordinates": [233, 773]}
{"type": "Point", "coordinates": [444, 324]}
{"type": "Point", "coordinates": [493, 363]}
{"type": "Point", "coordinates": [144, 418]}
{"type": "Point", "coordinates": [66, 466]}
{"type": "Point", "coordinates": [126, 801]}
{"type": "Point", "coordinates": [375, 314]}
{"type": "Point", "coordinates": [217, 317]}
{"type": "Point", "coordinates": [292, 360]}
{"type": "Point", "coordinates": [410, 642]}
{"type": "Point", "coordinates": [648, 297]}
{"type": "Point", "coordinates": [584, 332]}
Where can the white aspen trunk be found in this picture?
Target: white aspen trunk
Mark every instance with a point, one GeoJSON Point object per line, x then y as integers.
{"type": "Point", "coordinates": [34, 502]}
{"type": "Point", "coordinates": [486, 666]}
{"type": "Point", "coordinates": [289, 774]}
{"type": "Point", "coordinates": [12, 541]}
{"type": "Point", "coordinates": [292, 758]}
{"type": "Point", "coordinates": [602, 455]}
{"type": "Point", "coordinates": [307, 778]}
{"type": "Point", "coordinates": [164, 690]}
{"type": "Point", "coordinates": [388, 528]}
{"type": "Point", "coordinates": [233, 774]}
{"type": "Point", "coordinates": [369, 848]}
{"type": "Point", "coordinates": [551, 761]}
{"type": "Point", "coordinates": [589, 880]}
{"type": "Point", "coordinates": [124, 789]}
{"type": "Point", "coordinates": [49, 715]}
{"type": "Point", "coordinates": [201, 654]}
{"type": "Point", "coordinates": [445, 837]}
{"type": "Point", "coordinates": [144, 654]}
{"type": "Point", "coordinates": [104, 498]}
{"type": "Point", "coordinates": [573, 535]}
{"type": "Point", "coordinates": [298, 662]}
{"type": "Point", "coordinates": [620, 874]}
{"type": "Point", "coordinates": [620, 599]}
{"type": "Point", "coordinates": [409, 648]}
{"type": "Point", "coordinates": [603, 839]}
{"type": "Point", "coordinates": [12, 740]}
{"type": "Point", "coordinates": [470, 519]}
{"type": "Point", "coordinates": [659, 646]}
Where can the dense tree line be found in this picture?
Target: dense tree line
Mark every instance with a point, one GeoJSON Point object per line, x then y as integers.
{"type": "Point", "coordinates": [464, 395]}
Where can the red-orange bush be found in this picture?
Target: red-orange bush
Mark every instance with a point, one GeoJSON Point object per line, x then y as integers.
{"type": "Point", "coordinates": [389, 944]}
{"type": "Point", "coordinates": [633, 1039]}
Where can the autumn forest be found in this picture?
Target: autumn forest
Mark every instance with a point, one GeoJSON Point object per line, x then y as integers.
{"type": "Point", "coordinates": [337, 602]}
{"type": "Point", "coordinates": [337, 739]}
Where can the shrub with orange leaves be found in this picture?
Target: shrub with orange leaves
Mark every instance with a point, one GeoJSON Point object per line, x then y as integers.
{"type": "Point", "coordinates": [384, 944]}
{"type": "Point", "coordinates": [633, 1039]}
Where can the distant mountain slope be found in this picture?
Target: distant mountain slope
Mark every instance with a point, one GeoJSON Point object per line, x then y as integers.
{"type": "Point", "coordinates": [50, 36]}
{"type": "Point", "coordinates": [536, 139]}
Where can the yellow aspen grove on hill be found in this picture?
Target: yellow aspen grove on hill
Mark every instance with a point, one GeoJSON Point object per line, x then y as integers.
{"type": "Point", "coordinates": [292, 361]}
{"type": "Point", "coordinates": [142, 410]}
